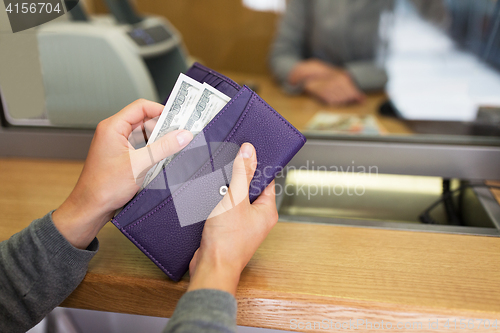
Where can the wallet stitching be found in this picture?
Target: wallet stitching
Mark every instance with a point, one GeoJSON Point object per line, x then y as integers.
{"type": "Point", "coordinates": [230, 135]}
{"type": "Point", "coordinates": [220, 76]}
{"type": "Point", "coordinates": [147, 252]}
{"type": "Point", "coordinates": [170, 165]}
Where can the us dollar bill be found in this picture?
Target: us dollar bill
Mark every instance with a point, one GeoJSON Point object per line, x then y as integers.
{"type": "Point", "coordinates": [209, 102]}
{"type": "Point", "coordinates": [179, 106]}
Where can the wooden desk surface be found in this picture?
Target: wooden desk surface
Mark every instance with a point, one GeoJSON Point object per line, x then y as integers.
{"type": "Point", "coordinates": [304, 272]}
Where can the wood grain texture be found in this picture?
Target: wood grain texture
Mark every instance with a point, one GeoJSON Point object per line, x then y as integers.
{"type": "Point", "coordinates": [301, 272]}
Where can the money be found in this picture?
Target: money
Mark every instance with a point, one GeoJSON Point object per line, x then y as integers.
{"type": "Point", "coordinates": [209, 103]}
{"type": "Point", "coordinates": [184, 110]}
{"type": "Point", "coordinates": [180, 104]}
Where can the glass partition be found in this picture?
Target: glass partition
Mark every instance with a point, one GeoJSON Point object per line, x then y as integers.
{"type": "Point", "coordinates": [441, 58]}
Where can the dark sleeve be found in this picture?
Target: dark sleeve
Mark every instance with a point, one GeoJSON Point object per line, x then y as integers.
{"type": "Point", "coordinates": [367, 75]}
{"type": "Point", "coordinates": [288, 47]}
{"type": "Point", "coordinates": [39, 268]}
{"type": "Point", "coordinates": [204, 311]}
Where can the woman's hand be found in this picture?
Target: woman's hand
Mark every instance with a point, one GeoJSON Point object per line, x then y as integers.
{"type": "Point", "coordinates": [330, 84]}
{"type": "Point", "coordinates": [310, 69]}
{"type": "Point", "coordinates": [113, 172]}
{"type": "Point", "coordinates": [234, 229]}
{"type": "Point", "coordinates": [336, 89]}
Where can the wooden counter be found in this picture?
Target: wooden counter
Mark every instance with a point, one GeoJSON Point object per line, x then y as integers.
{"type": "Point", "coordinates": [302, 272]}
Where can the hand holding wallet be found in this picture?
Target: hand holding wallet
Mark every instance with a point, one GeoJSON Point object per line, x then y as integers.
{"type": "Point", "coordinates": [165, 220]}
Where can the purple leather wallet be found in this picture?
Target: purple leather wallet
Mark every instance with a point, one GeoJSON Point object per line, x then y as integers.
{"type": "Point", "coordinates": [165, 220]}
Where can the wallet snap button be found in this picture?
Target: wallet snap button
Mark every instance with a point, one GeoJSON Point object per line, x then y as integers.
{"type": "Point", "coordinates": [223, 190]}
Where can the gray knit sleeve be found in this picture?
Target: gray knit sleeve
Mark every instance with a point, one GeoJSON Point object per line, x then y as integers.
{"type": "Point", "coordinates": [367, 75]}
{"type": "Point", "coordinates": [288, 47]}
{"type": "Point", "coordinates": [204, 311]}
{"type": "Point", "coordinates": [39, 268]}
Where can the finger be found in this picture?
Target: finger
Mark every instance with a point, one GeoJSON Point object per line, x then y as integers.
{"type": "Point", "coordinates": [168, 145]}
{"type": "Point", "coordinates": [333, 98]}
{"type": "Point", "coordinates": [135, 114]}
{"type": "Point", "coordinates": [149, 127]}
{"type": "Point", "coordinates": [267, 198]}
{"type": "Point", "coordinates": [355, 94]}
{"type": "Point", "coordinates": [244, 167]}
{"type": "Point", "coordinates": [136, 138]}
{"type": "Point", "coordinates": [266, 205]}
{"type": "Point", "coordinates": [351, 97]}
{"type": "Point", "coordinates": [360, 96]}
{"type": "Point", "coordinates": [352, 93]}
{"type": "Point", "coordinates": [139, 110]}
{"type": "Point", "coordinates": [347, 99]}
{"type": "Point", "coordinates": [143, 159]}
{"type": "Point", "coordinates": [142, 132]}
{"type": "Point", "coordinates": [342, 96]}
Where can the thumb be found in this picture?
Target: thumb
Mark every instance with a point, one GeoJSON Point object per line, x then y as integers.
{"type": "Point", "coordinates": [244, 167]}
{"type": "Point", "coordinates": [143, 159]}
{"type": "Point", "coordinates": [169, 144]}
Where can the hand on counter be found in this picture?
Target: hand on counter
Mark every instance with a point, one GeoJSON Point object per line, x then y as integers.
{"type": "Point", "coordinates": [234, 230]}
{"type": "Point", "coordinates": [113, 172]}
{"type": "Point", "coordinates": [328, 83]}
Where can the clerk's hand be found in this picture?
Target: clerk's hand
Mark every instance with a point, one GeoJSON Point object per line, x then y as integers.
{"type": "Point", "coordinates": [234, 229]}
{"type": "Point", "coordinates": [330, 84]}
{"type": "Point", "coordinates": [336, 89]}
{"type": "Point", "coordinates": [310, 69]}
{"type": "Point", "coordinates": [113, 171]}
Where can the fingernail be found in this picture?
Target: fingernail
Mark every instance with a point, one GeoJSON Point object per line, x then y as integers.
{"type": "Point", "coordinates": [183, 137]}
{"type": "Point", "coordinates": [246, 150]}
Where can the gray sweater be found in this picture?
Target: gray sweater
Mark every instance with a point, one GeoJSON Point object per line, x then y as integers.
{"type": "Point", "coordinates": [344, 33]}
{"type": "Point", "coordinates": [39, 268]}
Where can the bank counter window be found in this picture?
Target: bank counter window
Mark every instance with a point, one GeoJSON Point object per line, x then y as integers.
{"type": "Point", "coordinates": [369, 196]}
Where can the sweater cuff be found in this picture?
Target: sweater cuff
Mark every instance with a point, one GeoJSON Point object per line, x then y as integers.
{"type": "Point", "coordinates": [58, 247]}
{"type": "Point", "coordinates": [367, 75]}
{"type": "Point", "coordinates": [207, 310]}
{"type": "Point", "coordinates": [282, 68]}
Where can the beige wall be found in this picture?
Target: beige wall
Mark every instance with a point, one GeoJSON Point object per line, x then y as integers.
{"type": "Point", "coordinates": [224, 34]}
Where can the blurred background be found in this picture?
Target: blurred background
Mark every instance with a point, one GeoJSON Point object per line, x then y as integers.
{"type": "Point", "coordinates": [441, 63]}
